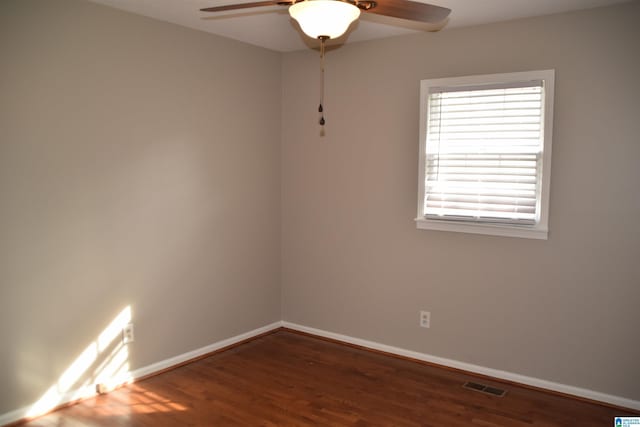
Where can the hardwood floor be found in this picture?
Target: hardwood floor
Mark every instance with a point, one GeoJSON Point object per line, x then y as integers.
{"type": "Point", "coordinates": [289, 379]}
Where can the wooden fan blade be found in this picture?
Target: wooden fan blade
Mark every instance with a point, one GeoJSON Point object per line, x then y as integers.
{"type": "Point", "coordinates": [411, 10]}
{"type": "Point", "coordinates": [242, 6]}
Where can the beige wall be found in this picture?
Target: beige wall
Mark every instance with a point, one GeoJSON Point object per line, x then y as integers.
{"type": "Point", "coordinates": [139, 165]}
{"type": "Point", "coordinates": [565, 309]}
{"type": "Point", "coordinates": [142, 164]}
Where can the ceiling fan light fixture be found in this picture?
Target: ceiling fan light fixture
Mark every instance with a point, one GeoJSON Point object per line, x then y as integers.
{"type": "Point", "coordinates": [324, 18]}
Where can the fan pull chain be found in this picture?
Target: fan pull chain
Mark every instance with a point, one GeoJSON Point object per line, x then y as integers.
{"type": "Point", "coordinates": [323, 39]}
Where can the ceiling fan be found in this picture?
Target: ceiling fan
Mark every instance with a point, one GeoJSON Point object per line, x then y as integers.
{"type": "Point", "coordinates": [329, 19]}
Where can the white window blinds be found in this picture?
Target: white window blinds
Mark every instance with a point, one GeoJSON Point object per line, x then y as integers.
{"type": "Point", "coordinates": [484, 153]}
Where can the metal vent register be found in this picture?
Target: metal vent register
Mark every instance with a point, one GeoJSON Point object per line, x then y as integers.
{"type": "Point", "coordinates": [482, 388]}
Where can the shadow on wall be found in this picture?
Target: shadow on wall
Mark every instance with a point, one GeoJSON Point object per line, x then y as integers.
{"type": "Point", "coordinates": [105, 361]}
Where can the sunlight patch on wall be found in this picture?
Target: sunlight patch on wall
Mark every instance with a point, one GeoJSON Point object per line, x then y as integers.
{"type": "Point", "coordinates": [104, 361]}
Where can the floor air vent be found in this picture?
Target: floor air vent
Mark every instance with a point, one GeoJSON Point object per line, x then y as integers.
{"type": "Point", "coordinates": [484, 389]}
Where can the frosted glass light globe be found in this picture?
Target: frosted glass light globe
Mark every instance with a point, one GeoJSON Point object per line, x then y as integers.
{"type": "Point", "coordinates": [330, 18]}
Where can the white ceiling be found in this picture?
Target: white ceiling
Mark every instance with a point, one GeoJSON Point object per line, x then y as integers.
{"type": "Point", "coordinates": [271, 27]}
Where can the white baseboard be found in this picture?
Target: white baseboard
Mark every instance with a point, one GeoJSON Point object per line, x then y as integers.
{"type": "Point", "coordinates": [173, 361]}
{"type": "Point", "coordinates": [89, 391]}
{"type": "Point", "coordinates": [504, 375]}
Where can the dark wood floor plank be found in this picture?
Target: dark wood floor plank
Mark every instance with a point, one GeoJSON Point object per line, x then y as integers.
{"type": "Point", "coordinates": [289, 379]}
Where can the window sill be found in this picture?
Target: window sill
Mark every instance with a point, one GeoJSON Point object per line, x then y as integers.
{"type": "Point", "coordinates": [504, 230]}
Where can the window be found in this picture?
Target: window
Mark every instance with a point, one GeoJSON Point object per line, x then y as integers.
{"type": "Point", "coordinates": [485, 154]}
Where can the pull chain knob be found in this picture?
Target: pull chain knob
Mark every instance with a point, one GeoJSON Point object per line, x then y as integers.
{"type": "Point", "coordinates": [322, 39]}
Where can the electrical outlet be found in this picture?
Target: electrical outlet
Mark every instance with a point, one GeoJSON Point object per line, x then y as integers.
{"type": "Point", "coordinates": [425, 319]}
{"type": "Point", "coordinates": [127, 333]}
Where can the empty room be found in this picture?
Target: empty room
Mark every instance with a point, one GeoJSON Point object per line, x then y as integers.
{"type": "Point", "coordinates": [319, 212]}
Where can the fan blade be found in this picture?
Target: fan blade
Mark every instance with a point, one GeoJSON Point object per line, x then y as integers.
{"type": "Point", "coordinates": [411, 10]}
{"type": "Point", "coordinates": [242, 6]}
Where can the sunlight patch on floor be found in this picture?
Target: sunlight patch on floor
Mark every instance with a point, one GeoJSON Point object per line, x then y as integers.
{"type": "Point", "coordinates": [138, 400]}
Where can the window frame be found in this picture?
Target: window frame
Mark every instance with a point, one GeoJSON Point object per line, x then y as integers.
{"type": "Point", "coordinates": [540, 229]}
